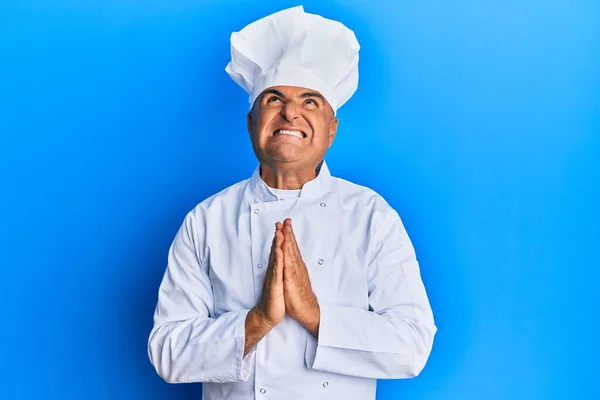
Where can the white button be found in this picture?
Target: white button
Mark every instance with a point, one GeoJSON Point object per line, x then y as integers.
{"type": "Point", "coordinates": [323, 205]}
{"type": "Point", "coordinates": [259, 265]}
{"type": "Point", "coordinates": [321, 261]}
{"type": "Point", "coordinates": [256, 211]}
{"type": "Point", "coordinates": [325, 384]}
{"type": "Point", "coordinates": [263, 391]}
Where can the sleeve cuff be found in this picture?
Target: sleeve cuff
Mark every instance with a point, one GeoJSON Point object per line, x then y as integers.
{"type": "Point", "coordinates": [311, 351]}
{"type": "Point", "coordinates": [243, 364]}
{"type": "Point", "coordinates": [313, 343]}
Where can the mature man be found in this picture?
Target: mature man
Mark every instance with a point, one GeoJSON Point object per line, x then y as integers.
{"type": "Point", "coordinates": [292, 284]}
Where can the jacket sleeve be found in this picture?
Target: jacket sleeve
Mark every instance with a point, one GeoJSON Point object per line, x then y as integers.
{"type": "Point", "coordinates": [187, 343]}
{"type": "Point", "coordinates": [393, 339]}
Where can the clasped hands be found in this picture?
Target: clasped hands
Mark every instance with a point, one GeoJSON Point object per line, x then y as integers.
{"type": "Point", "coordinates": [287, 287]}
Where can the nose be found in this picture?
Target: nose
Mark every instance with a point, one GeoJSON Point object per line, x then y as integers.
{"type": "Point", "coordinates": [290, 111]}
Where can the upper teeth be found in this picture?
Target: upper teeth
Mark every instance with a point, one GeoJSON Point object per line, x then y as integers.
{"type": "Point", "coordinates": [286, 132]}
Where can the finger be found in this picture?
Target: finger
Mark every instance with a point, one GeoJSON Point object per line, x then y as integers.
{"type": "Point", "coordinates": [273, 244]}
{"type": "Point", "coordinates": [294, 257]}
{"type": "Point", "coordinates": [286, 226]}
{"type": "Point", "coordinates": [292, 236]}
{"type": "Point", "coordinates": [289, 231]}
{"type": "Point", "coordinates": [271, 254]}
{"type": "Point", "coordinates": [276, 258]}
{"type": "Point", "coordinates": [287, 249]}
{"type": "Point", "coordinates": [276, 242]}
{"type": "Point", "coordinates": [279, 239]}
{"type": "Point", "coordinates": [267, 272]}
{"type": "Point", "coordinates": [290, 259]}
{"type": "Point", "coordinates": [290, 244]}
{"type": "Point", "coordinates": [278, 266]}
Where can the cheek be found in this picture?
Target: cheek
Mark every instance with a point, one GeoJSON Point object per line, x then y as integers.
{"type": "Point", "coordinates": [321, 131]}
{"type": "Point", "coordinates": [265, 121]}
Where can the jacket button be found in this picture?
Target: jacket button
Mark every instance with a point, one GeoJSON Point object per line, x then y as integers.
{"type": "Point", "coordinates": [325, 384]}
{"type": "Point", "coordinates": [321, 261]}
{"type": "Point", "coordinates": [259, 265]}
{"type": "Point", "coordinates": [323, 205]}
{"type": "Point", "coordinates": [256, 211]}
{"type": "Point", "coordinates": [263, 391]}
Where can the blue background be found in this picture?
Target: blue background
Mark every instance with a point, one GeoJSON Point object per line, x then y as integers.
{"type": "Point", "coordinates": [479, 121]}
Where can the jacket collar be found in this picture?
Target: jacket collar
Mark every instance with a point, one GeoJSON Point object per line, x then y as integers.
{"type": "Point", "coordinates": [311, 189]}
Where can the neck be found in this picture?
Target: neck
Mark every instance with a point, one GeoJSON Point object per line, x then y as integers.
{"type": "Point", "coordinates": [282, 177]}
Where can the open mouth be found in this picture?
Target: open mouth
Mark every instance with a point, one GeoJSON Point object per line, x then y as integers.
{"type": "Point", "coordinates": [298, 134]}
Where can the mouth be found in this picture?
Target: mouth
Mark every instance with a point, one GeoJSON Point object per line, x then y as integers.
{"type": "Point", "coordinates": [289, 132]}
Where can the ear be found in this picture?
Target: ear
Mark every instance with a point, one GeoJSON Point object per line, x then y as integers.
{"type": "Point", "coordinates": [332, 130]}
{"type": "Point", "coordinates": [250, 121]}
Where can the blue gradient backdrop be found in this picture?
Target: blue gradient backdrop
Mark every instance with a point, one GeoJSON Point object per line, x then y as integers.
{"type": "Point", "coordinates": [479, 121]}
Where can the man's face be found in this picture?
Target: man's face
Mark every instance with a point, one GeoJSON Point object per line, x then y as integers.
{"type": "Point", "coordinates": [289, 124]}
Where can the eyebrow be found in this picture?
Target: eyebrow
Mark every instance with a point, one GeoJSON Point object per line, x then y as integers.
{"type": "Point", "coordinates": [273, 91]}
{"type": "Point", "coordinates": [313, 94]}
{"type": "Point", "coordinates": [302, 96]}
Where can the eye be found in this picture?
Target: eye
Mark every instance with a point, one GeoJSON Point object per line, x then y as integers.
{"type": "Point", "coordinates": [273, 99]}
{"type": "Point", "coordinates": [311, 102]}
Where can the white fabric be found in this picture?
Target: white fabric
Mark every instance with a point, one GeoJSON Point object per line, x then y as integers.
{"type": "Point", "coordinates": [285, 194]}
{"type": "Point", "coordinates": [295, 48]}
{"type": "Point", "coordinates": [376, 321]}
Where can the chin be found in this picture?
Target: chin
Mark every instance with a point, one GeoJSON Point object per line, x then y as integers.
{"type": "Point", "coordinates": [282, 157]}
{"type": "Point", "coordinates": [283, 154]}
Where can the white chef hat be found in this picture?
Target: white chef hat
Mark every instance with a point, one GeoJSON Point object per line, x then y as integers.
{"type": "Point", "coordinates": [294, 48]}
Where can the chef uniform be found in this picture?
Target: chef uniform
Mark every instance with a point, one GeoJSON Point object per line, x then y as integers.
{"type": "Point", "coordinates": [375, 322]}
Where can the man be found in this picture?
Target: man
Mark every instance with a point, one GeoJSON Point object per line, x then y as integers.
{"type": "Point", "coordinates": [292, 284]}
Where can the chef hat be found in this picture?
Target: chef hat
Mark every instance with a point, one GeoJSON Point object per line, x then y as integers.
{"type": "Point", "coordinates": [294, 48]}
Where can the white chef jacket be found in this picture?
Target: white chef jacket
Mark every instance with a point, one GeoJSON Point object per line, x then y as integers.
{"type": "Point", "coordinates": [376, 321]}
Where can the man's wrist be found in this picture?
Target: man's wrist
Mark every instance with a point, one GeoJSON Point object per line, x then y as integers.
{"type": "Point", "coordinates": [310, 319]}
{"type": "Point", "coordinates": [259, 321]}
{"type": "Point", "coordinates": [256, 327]}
